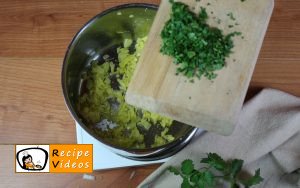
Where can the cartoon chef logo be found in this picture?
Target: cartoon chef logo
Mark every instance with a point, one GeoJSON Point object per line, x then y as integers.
{"type": "Point", "coordinates": [32, 158]}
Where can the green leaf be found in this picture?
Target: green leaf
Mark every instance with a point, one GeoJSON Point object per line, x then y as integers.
{"type": "Point", "coordinates": [256, 179]}
{"type": "Point", "coordinates": [201, 183]}
{"type": "Point", "coordinates": [236, 167]}
{"type": "Point", "coordinates": [187, 167]}
{"type": "Point", "coordinates": [185, 183]}
{"type": "Point", "coordinates": [235, 185]}
{"type": "Point", "coordinates": [209, 178]}
{"type": "Point", "coordinates": [203, 14]}
{"type": "Point", "coordinates": [173, 170]}
{"type": "Point", "coordinates": [195, 177]}
{"type": "Point", "coordinates": [191, 54]}
{"type": "Point", "coordinates": [215, 161]}
{"type": "Point", "coordinates": [218, 66]}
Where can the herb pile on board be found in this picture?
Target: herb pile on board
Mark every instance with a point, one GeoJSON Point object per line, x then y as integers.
{"type": "Point", "coordinates": [197, 48]}
{"type": "Point", "coordinates": [216, 169]}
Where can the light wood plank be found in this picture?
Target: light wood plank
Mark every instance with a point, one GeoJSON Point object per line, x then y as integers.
{"type": "Point", "coordinates": [213, 106]}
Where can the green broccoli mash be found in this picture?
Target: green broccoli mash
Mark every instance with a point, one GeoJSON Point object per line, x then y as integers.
{"type": "Point", "coordinates": [103, 105]}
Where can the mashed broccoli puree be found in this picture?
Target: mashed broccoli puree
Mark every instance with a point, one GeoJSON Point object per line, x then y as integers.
{"type": "Point", "coordinates": [103, 104]}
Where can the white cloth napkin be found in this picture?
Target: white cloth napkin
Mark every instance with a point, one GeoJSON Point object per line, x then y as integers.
{"type": "Point", "coordinates": [267, 136]}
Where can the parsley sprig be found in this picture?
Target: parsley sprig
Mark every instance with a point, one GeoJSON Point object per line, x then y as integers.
{"type": "Point", "coordinates": [216, 169]}
{"type": "Point", "coordinates": [197, 48]}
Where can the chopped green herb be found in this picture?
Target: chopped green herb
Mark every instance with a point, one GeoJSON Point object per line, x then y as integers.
{"type": "Point", "coordinates": [216, 168]}
{"type": "Point", "coordinates": [230, 26]}
{"type": "Point", "coordinates": [230, 15]}
{"type": "Point", "coordinates": [197, 48]}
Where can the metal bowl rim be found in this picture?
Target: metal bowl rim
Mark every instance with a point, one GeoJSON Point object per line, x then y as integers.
{"type": "Point", "coordinates": [68, 103]}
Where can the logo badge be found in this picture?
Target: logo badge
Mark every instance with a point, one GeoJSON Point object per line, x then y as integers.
{"type": "Point", "coordinates": [32, 158]}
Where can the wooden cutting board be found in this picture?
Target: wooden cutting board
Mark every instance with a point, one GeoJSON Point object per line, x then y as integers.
{"type": "Point", "coordinates": [211, 105]}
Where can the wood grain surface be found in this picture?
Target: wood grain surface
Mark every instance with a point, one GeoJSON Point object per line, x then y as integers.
{"type": "Point", "coordinates": [34, 36]}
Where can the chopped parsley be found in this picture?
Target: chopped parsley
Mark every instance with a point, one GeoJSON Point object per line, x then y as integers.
{"type": "Point", "coordinates": [230, 15]}
{"type": "Point", "coordinates": [197, 48]}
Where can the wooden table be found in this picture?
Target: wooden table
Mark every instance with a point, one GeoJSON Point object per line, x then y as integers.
{"type": "Point", "coordinates": [34, 36]}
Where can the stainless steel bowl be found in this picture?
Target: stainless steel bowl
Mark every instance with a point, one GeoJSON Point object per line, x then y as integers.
{"type": "Point", "coordinates": [89, 44]}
